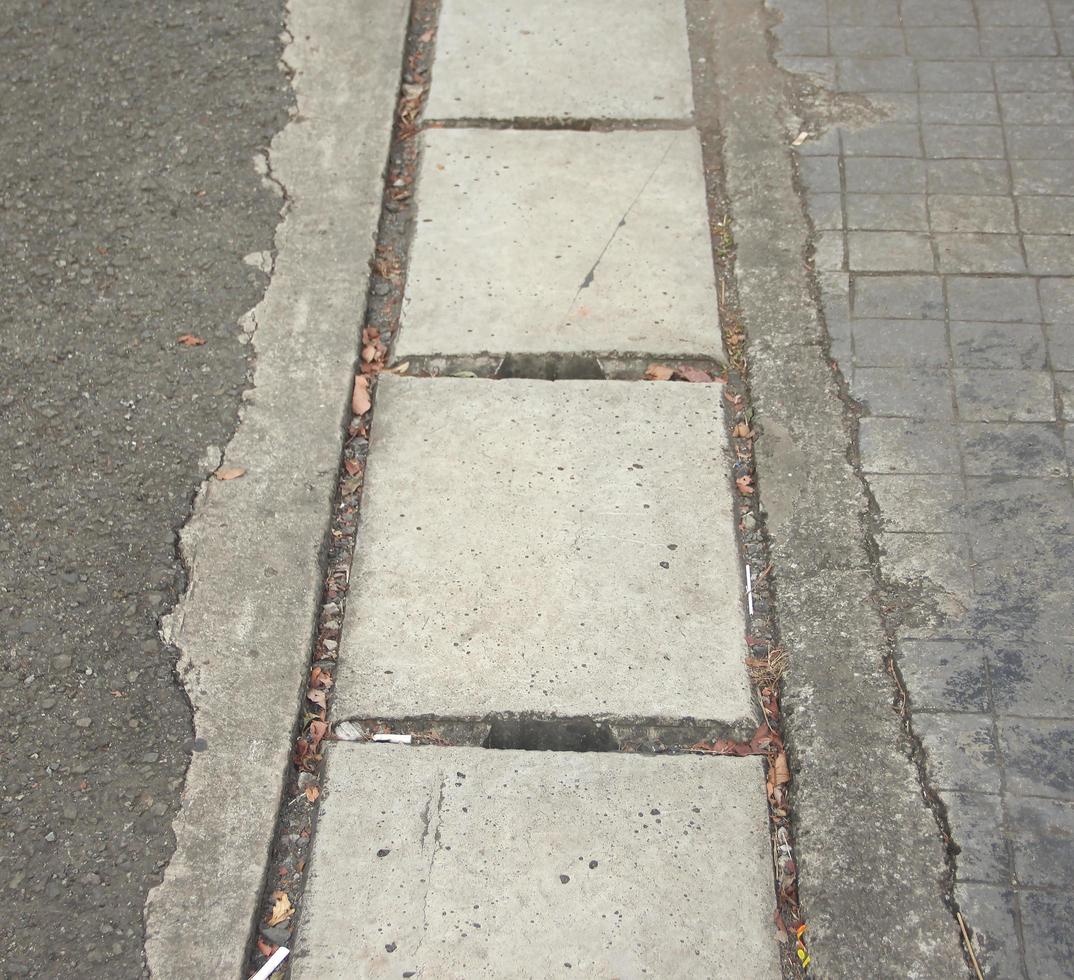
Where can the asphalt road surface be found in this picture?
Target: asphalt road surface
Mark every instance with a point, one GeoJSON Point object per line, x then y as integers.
{"type": "Point", "coordinates": [128, 199]}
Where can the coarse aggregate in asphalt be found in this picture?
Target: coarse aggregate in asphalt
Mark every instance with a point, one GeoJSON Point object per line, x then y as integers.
{"type": "Point", "coordinates": [128, 200]}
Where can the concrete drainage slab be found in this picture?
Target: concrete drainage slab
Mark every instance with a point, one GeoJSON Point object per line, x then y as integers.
{"type": "Point", "coordinates": [554, 547]}
{"type": "Point", "coordinates": [449, 862]}
{"type": "Point", "coordinates": [564, 58]}
{"type": "Point", "coordinates": [611, 254]}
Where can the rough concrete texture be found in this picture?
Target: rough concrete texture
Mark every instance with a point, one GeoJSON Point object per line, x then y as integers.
{"type": "Point", "coordinates": [127, 207]}
{"type": "Point", "coordinates": [561, 58]}
{"type": "Point", "coordinates": [532, 241]}
{"type": "Point", "coordinates": [490, 863]}
{"type": "Point", "coordinates": [244, 627]}
{"type": "Point", "coordinates": [562, 547]}
{"type": "Point", "coordinates": [871, 860]}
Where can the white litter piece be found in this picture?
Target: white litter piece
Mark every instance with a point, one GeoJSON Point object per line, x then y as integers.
{"type": "Point", "coordinates": [800, 138]}
{"type": "Point", "coordinates": [270, 966]}
{"type": "Point", "coordinates": [392, 737]}
{"type": "Point", "coordinates": [749, 588]}
{"type": "Point", "coordinates": [347, 731]}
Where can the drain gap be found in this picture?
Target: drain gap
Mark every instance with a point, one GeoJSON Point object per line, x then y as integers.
{"type": "Point", "coordinates": [532, 732]}
{"type": "Point", "coordinates": [554, 123]}
{"type": "Point", "coordinates": [553, 365]}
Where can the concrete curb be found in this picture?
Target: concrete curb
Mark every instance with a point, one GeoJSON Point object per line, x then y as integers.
{"type": "Point", "coordinates": [245, 626]}
{"type": "Point", "coordinates": [872, 865]}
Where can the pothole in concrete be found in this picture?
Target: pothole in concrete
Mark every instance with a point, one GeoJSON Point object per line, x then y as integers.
{"type": "Point", "coordinates": [551, 367]}
{"type": "Point", "coordinates": [551, 735]}
{"type": "Point", "coordinates": [545, 733]}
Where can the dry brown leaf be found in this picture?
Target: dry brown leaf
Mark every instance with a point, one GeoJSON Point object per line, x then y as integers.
{"type": "Point", "coordinates": [282, 909]}
{"type": "Point", "coordinates": [426, 37]}
{"type": "Point", "coordinates": [189, 340]}
{"type": "Point", "coordinates": [229, 472]}
{"type": "Point", "coordinates": [312, 792]}
{"type": "Point", "coordinates": [318, 730]}
{"type": "Point", "coordinates": [779, 773]}
{"type": "Point", "coordinates": [744, 484]}
{"type": "Point", "coordinates": [742, 431]}
{"type": "Point", "coordinates": [360, 403]}
{"type": "Point", "coordinates": [317, 697]}
{"type": "Point", "coordinates": [686, 373]}
{"type": "Point", "coordinates": [658, 372]}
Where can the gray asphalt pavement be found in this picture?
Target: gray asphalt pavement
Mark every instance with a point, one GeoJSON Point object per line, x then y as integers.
{"type": "Point", "coordinates": [128, 198]}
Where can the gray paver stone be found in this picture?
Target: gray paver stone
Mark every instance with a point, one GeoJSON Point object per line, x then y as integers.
{"type": "Point", "coordinates": [562, 547]}
{"type": "Point", "coordinates": [561, 58]}
{"type": "Point", "coordinates": [488, 863]}
{"type": "Point", "coordinates": [535, 241]}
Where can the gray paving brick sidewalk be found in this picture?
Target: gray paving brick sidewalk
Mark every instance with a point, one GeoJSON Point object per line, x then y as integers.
{"type": "Point", "coordinates": [945, 257]}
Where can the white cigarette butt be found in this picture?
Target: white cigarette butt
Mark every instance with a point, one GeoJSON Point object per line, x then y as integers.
{"type": "Point", "coordinates": [270, 966]}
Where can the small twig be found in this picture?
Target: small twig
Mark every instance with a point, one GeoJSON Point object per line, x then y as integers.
{"type": "Point", "coordinates": [969, 945]}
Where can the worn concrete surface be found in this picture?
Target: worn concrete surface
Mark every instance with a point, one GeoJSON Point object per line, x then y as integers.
{"type": "Point", "coordinates": [946, 240]}
{"type": "Point", "coordinates": [244, 627]}
{"type": "Point", "coordinates": [870, 856]}
{"type": "Point", "coordinates": [493, 863]}
{"type": "Point", "coordinates": [562, 547]}
{"type": "Point", "coordinates": [533, 241]}
{"type": "Point", "coordinates": [563, 59]}
{"type": "Point", "coordinates": [128, 203]}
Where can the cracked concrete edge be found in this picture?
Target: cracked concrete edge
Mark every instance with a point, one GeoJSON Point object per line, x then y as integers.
{"type": "Point", "coordinates": [874, 879]}
{"type": "Point", "coordinates": [253, 548]}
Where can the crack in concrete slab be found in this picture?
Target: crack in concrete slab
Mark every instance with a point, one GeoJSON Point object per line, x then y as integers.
{"type": "Point", "coordinates": [588, 280]}
{"type": "Point", "coordinates": [439, 816]}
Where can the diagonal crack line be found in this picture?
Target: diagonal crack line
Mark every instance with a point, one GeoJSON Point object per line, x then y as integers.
{"type": "Point", "coordinates": [425, 817]}
{"type": "Point", "coordinates": [587, 281]}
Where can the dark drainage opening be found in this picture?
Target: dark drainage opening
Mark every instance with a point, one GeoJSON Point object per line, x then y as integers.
{"type": "Point", "coordinates": [551, 735]}
{"type": "Point", "coordinates": [551, 367]}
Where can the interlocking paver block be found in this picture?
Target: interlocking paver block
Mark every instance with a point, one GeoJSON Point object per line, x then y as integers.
{"type": "Point", "coordinates": [981, 298]}
{"type": "Point", "coordinates": [898, 297]}
{"type": "Point", "coordinates": [561, 547]}
{"type": "Point", "coordinates": [534, 241]}
{"type": "Point", "coordinates": [490, 863]}
{"type": "Point", "coordinates": [584, 59]}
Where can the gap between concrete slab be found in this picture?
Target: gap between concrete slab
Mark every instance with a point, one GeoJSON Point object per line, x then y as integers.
{"type": "Point", "coordinates": [554, 123]}
{"type": "Point", "coordinates": [553, 365]}
{"type": "Point", "coordinates": [531, 731]}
